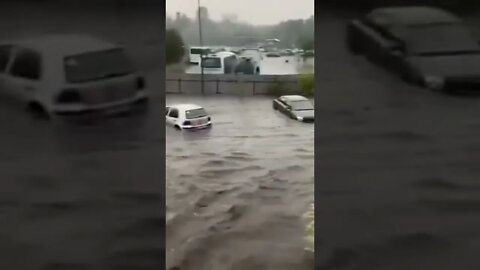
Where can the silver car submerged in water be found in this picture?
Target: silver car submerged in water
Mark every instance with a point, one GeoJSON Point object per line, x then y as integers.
{"type": "Point", "coordinates": [296, 107]}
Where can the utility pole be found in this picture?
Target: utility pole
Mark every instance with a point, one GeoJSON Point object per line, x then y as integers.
{"type": "Point", "coordinates": [201, 44]}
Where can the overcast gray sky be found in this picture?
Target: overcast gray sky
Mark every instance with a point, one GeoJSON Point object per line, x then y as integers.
{"type": "Point", "coordinates": [251, 11]}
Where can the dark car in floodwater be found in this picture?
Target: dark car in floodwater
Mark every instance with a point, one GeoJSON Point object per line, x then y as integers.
{"type": "Point", "coordinates": [426, 46]}
{"type": "Point", "coordinates": [296, 107]}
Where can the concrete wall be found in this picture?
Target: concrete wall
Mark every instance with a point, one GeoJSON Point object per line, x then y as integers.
{"type": "Point", "coordinates": [230, 84]}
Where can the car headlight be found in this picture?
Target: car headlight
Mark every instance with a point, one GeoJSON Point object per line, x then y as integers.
{"type": "Point", "coordinates": [299, 118]}
{"type": "Point", "coordinates": [434, 82]}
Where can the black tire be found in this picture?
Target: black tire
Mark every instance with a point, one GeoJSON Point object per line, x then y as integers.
{"type": "Point", "coordinates": [37, 111]}
{"type": "Point", "coordinates": [177, 127]}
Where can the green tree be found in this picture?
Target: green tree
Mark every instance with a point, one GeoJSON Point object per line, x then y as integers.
{"type": "Point", "coordinates": [174, 46]}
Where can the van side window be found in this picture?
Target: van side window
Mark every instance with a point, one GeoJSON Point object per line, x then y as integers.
{"type": "Point", "coordinates": [27, 64]}
{"type": "Point", "coordinates": [173, 113]}
{"type": "Point", "coordinates": [5, 55]}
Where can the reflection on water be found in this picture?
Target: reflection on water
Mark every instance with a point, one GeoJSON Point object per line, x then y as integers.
{"type": "Point", "coordinates": [236, 193]}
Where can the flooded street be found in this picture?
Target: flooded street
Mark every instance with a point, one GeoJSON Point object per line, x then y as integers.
{"type": "Point", "coordinates": [236, 193]}
{"type": "Point", "coordinates": [285, 65]}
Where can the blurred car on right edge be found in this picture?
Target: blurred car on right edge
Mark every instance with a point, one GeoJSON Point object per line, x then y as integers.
{"type": "Point", "coordinates": [427, 46]}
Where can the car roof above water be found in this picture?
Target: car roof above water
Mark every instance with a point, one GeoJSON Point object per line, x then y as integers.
{"type": "Point", "coordinates": [64, 44]}
{"type": "Point", "coordinates": [413, 15]}
{"type": "Point", "coordinates": [294, 97]}
{"type": "Point", "coordinates": [186, 107]}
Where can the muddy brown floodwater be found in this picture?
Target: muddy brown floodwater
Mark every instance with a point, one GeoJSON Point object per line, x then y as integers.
{"type": "Point", "coordinates": [236, 193]}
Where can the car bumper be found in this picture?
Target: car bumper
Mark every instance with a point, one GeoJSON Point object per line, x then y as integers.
{"type": "Point", "coordinates": [204, 126]}
{"type": "Point", "coordinates": [108, 109]}
{"type": "Point", "coordinates": [307, 120]}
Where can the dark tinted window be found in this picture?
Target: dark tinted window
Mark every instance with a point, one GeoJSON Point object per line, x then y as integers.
{"type": "Point", "coordinates": [27, 65]}
{"type": "Point", "coordinates": [245, 67]}
{"type": "Point", "coordinates": [211, 62]}
{"type": "Point", "coordinates": [97, 65]}
{"type": "Point", "coordinates": [441, 38]}
{"type": "Point", "coordinates": [5, 53]}
{"type": "Point", "coordinates": [173, 113]}
{"type": "Point", "coordinates": [199, 51]}
{"type": "Point", "coordinates": [229, 63]}
{"type": "Point", "coordinates": [301, 105]}
{"type": "Point", "coordinates": [197, 113]}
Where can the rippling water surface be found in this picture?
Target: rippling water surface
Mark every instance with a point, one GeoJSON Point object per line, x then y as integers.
{"type": "Point", "coordinates": [236, 193]}
{"type": "Point", "coordinates": [80, 195]}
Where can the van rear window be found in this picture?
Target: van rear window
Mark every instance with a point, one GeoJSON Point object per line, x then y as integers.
{"type": "Point", "coordinates": [97, 65]}
{"type": "Point", "coordinates": [199, 51]}
{"type": "Point", "coordinates": [211, 62]}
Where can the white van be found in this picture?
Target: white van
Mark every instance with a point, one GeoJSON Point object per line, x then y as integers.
{"type": "Point", "coordinates": [195, 52]}
{"type": "Point", "coordinates": [219, 63]}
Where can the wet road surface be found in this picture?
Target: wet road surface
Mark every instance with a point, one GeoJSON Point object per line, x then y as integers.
{"type": "Point", "coordinates": [236, 193]}
{"type": "Point", "coordinates": [398, 179]}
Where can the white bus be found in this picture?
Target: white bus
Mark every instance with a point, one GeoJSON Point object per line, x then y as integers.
{"type": "Point", "coordinates": [219, 63]}
{"type": "Point", "coordinates": [195, 52]}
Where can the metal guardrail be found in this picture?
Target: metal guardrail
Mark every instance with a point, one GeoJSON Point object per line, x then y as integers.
{"type": "Point", "coordinates": [218, 81]}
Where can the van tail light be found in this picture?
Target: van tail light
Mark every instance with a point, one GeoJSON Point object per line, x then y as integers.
{"type": "Point", "coordinates": [187, 123]}
{"type": "Point", "coordinates": [140, 83]}
{"type": "Point", "coordinates": [67, 96]}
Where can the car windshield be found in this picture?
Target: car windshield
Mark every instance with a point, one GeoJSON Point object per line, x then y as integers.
{"type": "Point", "coordinates": [196, 113]}
{"type": "Point", "coordinates": [211, 62]}
{"type": "Point", "coordinates": [97, 65]}
{"type": "Point", "coordinates": [438, 39]}
{"type": "Point", "coordinates": [301, 105]}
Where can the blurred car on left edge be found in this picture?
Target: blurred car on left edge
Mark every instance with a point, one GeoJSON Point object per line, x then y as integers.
{"type": "Point", "coordinates": [70, 74]}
